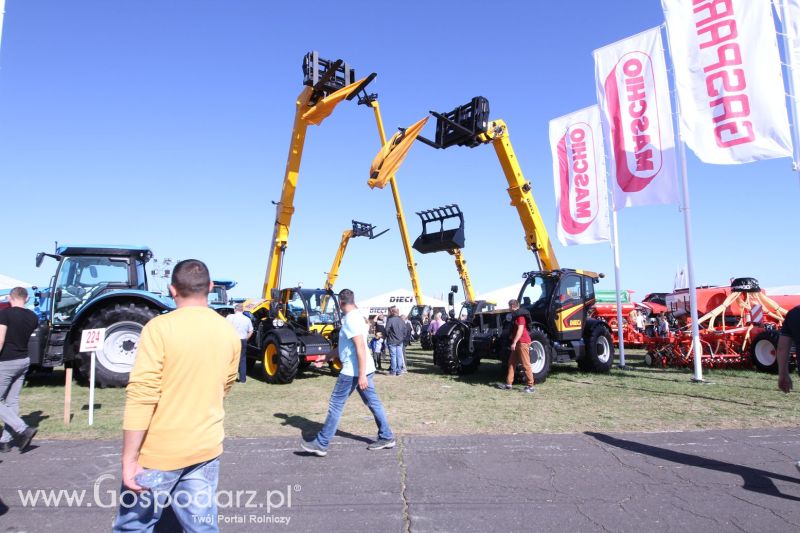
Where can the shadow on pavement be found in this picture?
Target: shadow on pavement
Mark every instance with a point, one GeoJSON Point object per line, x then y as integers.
{"type": "Point", "coordinates": [35, 418]}
{"type": "Point", "coordinates": [309, 428]}
{"type": "Point", "coordinates": [755, 480]}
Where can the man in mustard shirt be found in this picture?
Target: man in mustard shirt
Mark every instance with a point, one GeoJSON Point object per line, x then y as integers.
{"type": "Point", "coordinates": [186, 362]}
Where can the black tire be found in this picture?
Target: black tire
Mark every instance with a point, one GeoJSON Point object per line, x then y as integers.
{"type": "Point", "coordinates": [453, 356]}
{"type": "Point", "coordinates": [416, 330]}
{"type": "Point", "coordinates": [599, 356]}
{"type": "Point", "coordinates": [123, 323]}
{"type": "Point", "coordinates": [763, 351]}
{"type": "Point", "coordinates": [279, 362]}
{"type": "Point", "coordinates": [425, 341]}
{"type": "Point", "coordinates": [541, 356]}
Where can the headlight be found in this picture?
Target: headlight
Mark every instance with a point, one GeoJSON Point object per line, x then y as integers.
{"type": "Point", "coordinates": [278, 323]}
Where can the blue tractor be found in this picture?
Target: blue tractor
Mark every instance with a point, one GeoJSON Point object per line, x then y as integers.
{"type": "Point", "coordinates": [95, 287]}
{"type": "Point", "coordinates": [218, 299]}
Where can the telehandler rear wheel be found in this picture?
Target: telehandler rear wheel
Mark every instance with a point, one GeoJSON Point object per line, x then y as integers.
{"type": "Point", "coordinates": [280, 361]}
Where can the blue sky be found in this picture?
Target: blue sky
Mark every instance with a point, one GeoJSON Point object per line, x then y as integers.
{"type": "Point", "coordinates": [167, 124]}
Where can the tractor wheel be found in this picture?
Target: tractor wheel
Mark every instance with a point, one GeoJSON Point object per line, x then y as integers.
{"type": "Point", "coordinates": [114, 362]}
{"type": "Point", "coordinates": [599, 350]}
{"type": "Point", "coordinates": [453, 357]}
{"type": "Point", "coordinates": [763, 351]}
{"type": "Point", "coordinates": [416, 330]}
{"type": "Point", "coordinates": [279, 361]}
{"type": "Point", "coordinates": [425, 341]}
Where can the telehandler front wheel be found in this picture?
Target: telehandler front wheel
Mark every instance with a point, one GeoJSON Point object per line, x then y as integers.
{"type": "Point", "coordinates": [280, 362]}
{"type": "Point", "coordinates": [599, 356]}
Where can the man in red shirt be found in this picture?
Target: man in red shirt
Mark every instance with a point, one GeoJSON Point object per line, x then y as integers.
{"type": "Point", "coordinates": [520, 344]}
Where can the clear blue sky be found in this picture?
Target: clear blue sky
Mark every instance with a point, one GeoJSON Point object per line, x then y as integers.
{"type": "Point", "coordinates": [167, 124]}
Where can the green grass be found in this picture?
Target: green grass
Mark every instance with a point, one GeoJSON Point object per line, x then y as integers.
{"type": "Point", "coordinates": [425, 402]}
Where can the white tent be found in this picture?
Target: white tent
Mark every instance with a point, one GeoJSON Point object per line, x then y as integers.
{"type": "Point", "coordinates": [7, 282]}
{"type": "Point", "coordinates": [502, 295]}
{"type": "Point", "coordinates": [402, 298]}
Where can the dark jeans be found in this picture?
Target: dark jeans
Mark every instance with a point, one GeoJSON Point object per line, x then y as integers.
{"type": "Point", "coordinates": [243, 362]}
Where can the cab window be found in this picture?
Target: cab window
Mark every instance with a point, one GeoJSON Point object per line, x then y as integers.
{"type": "Point", "coordinates": [588, 288]}
{"type": "Point", "coordinates": [569, 291]}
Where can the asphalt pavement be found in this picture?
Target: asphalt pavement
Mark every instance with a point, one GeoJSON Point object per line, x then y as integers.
{"type": "Point", "coordinates": [724, 480]}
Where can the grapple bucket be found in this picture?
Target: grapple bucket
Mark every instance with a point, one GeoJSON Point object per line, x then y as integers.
{"type": "Point", "coordinates": [443, 239]}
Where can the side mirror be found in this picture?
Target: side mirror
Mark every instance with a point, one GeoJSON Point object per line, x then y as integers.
{"type": "Point", "coordinates": [453, 288]}
{"type": "Point", "coordinates": [39, 259]}
{"type": "Point", "coordinates": [451, 299]}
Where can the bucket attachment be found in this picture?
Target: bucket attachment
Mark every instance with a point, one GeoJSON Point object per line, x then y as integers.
{"type": "Point", "coordinates": [444, 239]}
{"type": "Point", "coordinates": [462, 126]}
{"type": "Point", "coordinates": [363, 229]}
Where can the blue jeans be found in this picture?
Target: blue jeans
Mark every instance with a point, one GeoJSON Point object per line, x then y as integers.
{"type": "Point", "coordinates": [190, 492]}
{"type": "Point", "coordinates": [345, 385]}
{"type": "Point", "coordinates": [398, 360]}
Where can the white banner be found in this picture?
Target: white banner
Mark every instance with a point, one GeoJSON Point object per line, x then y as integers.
{"type": "Point", "coordinates": [576, 142]}
{"type": "Point", "coordinates": [728, 79]}
{"type": "Point", "coordinates": [633, 93]}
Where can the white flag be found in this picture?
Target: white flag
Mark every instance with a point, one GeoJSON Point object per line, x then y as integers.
{"type": "Point", "coordinates": [728, 79]}
{"type": "Point", "coordinates": [791, 27]}
{"type": "Point", "coordinates": [633, 93]}
{"type": "Point", "coordinates": [576, 142]}
{"type": "Point", "coordinates": [2, 12]}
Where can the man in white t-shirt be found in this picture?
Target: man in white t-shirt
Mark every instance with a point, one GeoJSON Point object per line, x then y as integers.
{"type": "Point", "coordinates": [244, 327]}
{"type": "Point", "coordinates": [356, 374]}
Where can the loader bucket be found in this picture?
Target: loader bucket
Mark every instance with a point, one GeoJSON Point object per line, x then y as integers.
{"type": "Point", "coordinates": [443, 239]}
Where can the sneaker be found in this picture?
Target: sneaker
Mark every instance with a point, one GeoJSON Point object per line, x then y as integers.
{"type": "Point", "coordinates": [504, 386]}
{"type": "Point", "coordinates": [313, 447]}
{"type": "Point", "coordinates": [529, 390]}
{"type": "Point", "coordinates": [381, 444]}
{"type": "Point", "coordinates": [24, 439]}
{"type": "Point", "coordinates": [5, 447]}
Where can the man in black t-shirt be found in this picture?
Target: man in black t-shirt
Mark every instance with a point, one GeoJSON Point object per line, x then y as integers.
{"type": "Point", "coordinates": [16, 326]}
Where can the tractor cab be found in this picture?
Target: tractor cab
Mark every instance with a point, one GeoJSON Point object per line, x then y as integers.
{"type": "Point", "coordinates": [85, 273]}
{"type": "Point", "coordinates": [315, 310]}
{"type": "Point", "coordinates": [560, 300]}
{"type": "Point", "coordinates": [218, 298]}
{"type": "Point", "coordinates": [469, 309]}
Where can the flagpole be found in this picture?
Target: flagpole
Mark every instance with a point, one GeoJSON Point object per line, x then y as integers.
{"type": "Point", "coordinates": [787, 47]}
{"type": "Point", "coordinates": [687, 226]}
{"type": "Point", "coordinates": [687, 229]}
{"type": "Point", "coordinates": [615, 250]}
